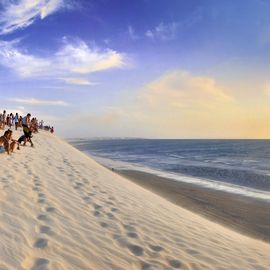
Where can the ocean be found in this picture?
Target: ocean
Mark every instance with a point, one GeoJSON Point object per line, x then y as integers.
{"type": "Point", "coordinates": [237, 166]}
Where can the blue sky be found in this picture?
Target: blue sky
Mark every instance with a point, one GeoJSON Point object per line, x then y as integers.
{"type": "Point", "coordinates": [145, 68]}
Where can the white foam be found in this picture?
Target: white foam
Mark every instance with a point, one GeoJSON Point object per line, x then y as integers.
{"type": "Point", "coordinates": [207, 183]}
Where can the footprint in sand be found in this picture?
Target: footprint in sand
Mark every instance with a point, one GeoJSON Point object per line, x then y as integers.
{"type": "Point", "coordinates": [104, 224]}
{"type": "Point", "coordinates": [79, 184]}
{"type": "Point", "coordinates": [45, 229]}
{"type": "Point", "coordinates": [77, 187]}
{"type": "Point", "coordinates": [110, 203]}
{"type": "Point", "coordinates": [40, 264]}
{"type": "Point", "coordinates": [146, 266]}
{"type": "Point", "coordinates": [42, 200]}
{"type": "Point", "coordinates": [110, 216]}
{"type": "Point", "coordinates": [87, 199]}
{"type": "Point", "coordinates": [41, 195]}
{"type": "Point", "coordinates": [132, 235]}
{"type": "Point", "coordinates": [61, 169]}
{"type": "Point", "coordinates": [86, 181]}
{"type": "Point", "coordinates": [97, 206]}
{"type": "Point", "coordinates": [41, 243]}
{"type": "Point", "coordinates": [42, 217]}
{"type": "Point", "coordinates": [156, 248]}
{"type": "Point", "coordinates": [50, 209]}
{"type": "Point", "coordinates": [37, 184]}
{"type": "Point", "coordinates": [135, 250]}
{"type": "Point", "coordinates": [97, 213]}
{"type": "Point", "coordinates": [174, 263]}
{"type": "Point", "coordinates": [129, 228]}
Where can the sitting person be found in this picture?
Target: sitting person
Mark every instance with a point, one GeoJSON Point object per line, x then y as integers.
{"type": "Point", "coordinates": [12, 142]}
{"type": "Point", "coordinates": [8, 142]}
{"type": "Point", "coordinates": [4, 141]}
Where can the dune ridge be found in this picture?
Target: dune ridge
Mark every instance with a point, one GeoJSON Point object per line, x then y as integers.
{"type": "Point", "coordinates": [62, 210]}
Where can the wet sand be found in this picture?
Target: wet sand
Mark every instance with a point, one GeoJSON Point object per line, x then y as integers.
{"type": "Point", "coordinates": [243, 214]}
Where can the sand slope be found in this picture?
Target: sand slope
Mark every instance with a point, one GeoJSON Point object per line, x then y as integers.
{"type": "Point", "coordinates": [62, 210]}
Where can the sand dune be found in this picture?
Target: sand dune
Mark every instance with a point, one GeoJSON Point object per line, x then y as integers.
{"type": "Point", "coordinates": [62, 210]}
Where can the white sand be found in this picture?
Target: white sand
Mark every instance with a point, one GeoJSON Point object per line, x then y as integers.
{"type": "Point", "coordinates": [62, 210]}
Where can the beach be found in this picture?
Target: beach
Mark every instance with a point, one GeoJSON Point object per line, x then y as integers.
{"type": "Point", "coordinates": [247, 215]}
{"type": "Point", "coordinates": [60, 209]}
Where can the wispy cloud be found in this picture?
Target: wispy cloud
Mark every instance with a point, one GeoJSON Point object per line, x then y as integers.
{"type": "Point", "coordinates": [163, 31]}
{"type": "Point", "coordinates": [132, 33]}
{"type": "Point", "coordinates": [19, 14]}
{"type": "Point", "coordinates": [22, 63]}
{"type": "Point", "coordinates": [72, 58]}
{"type": "Point", "coordinates": [34, 101]}
{"type": "Point", "coordinates": [78, 81]}
{"type": "Point", "coordinates": [78, 57]}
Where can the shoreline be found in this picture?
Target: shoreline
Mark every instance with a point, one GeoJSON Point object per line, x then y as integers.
{"type": "Point", "coordinates": [242, 214]}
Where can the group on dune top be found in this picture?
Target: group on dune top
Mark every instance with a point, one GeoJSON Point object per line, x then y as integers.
{"type": "Point", "coordinates": [27, 124]}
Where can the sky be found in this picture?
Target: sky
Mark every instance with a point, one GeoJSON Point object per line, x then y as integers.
{"type": "Point", "coordinates": [144, 68]}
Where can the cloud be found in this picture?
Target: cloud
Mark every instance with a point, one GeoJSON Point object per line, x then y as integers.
{"type": "Point", "coordinates": [132, 33]}
{"type": "Point", "coordinates": [34, 102]}
{"type": "Point", "coordinates": [178, 104]}
{"type": "Point", "coordinates": [72, 58]}
{"type": "Point", "coordinates": [163, 31]}
{"type": "Point", "coordinates": [80, 58]}
{"type": "Point", "coordinates": [78, 81]}
{"type": "Point", "coordinates": [19, 14]}
{"type": "Point", "coordinates": [184, 90]}
{"type": "Point", "coordinates": [24, 64]}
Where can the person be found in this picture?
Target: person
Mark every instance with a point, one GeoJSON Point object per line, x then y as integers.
{"type": "Point", "coordinates": [20, 121]}
{"type": "Point", "coordinates": [16, 121]}
{"type": "Point", "coordinates": [8, 120]}
{"type": "Point", "coordinates": [4, 119]}
{"type": "Point", "coordinates": [52, 130]}
{"type": "Point", "coordinates": [11, 120]}
{"type": "Point", "coordinates": [12, 142]}
{"type": "Point", "coordinates": [41, 124]}
{"type": "Point", "coordinates": [4, 140]}
{"type": "Point", "coordinates": [26, 121]}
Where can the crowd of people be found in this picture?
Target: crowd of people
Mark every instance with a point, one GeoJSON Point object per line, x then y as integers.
{"type": "Point", "coordinates": [27, 124]}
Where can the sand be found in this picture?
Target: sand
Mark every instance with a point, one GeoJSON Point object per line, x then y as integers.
{"type": "Point", "coordinates": [62, 210]}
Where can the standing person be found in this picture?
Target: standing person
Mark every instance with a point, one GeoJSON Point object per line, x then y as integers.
{"type": "Point", "coordinates": [20, 121]}
{"type": "Point", "coordinates": [4, 119]}
{"type": "Point", "coordinates": [11, 120]}
{"type": "Point", "coordinates": [52, 130]}
{"type": "Point", "coordinates": [16, 121]}
{"type": "Point", "coordinates": [26, 122]}
{"type": "Point", "coordinates": [41, 124]}
{"type": "Point", "coordinates": [8, 121]}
